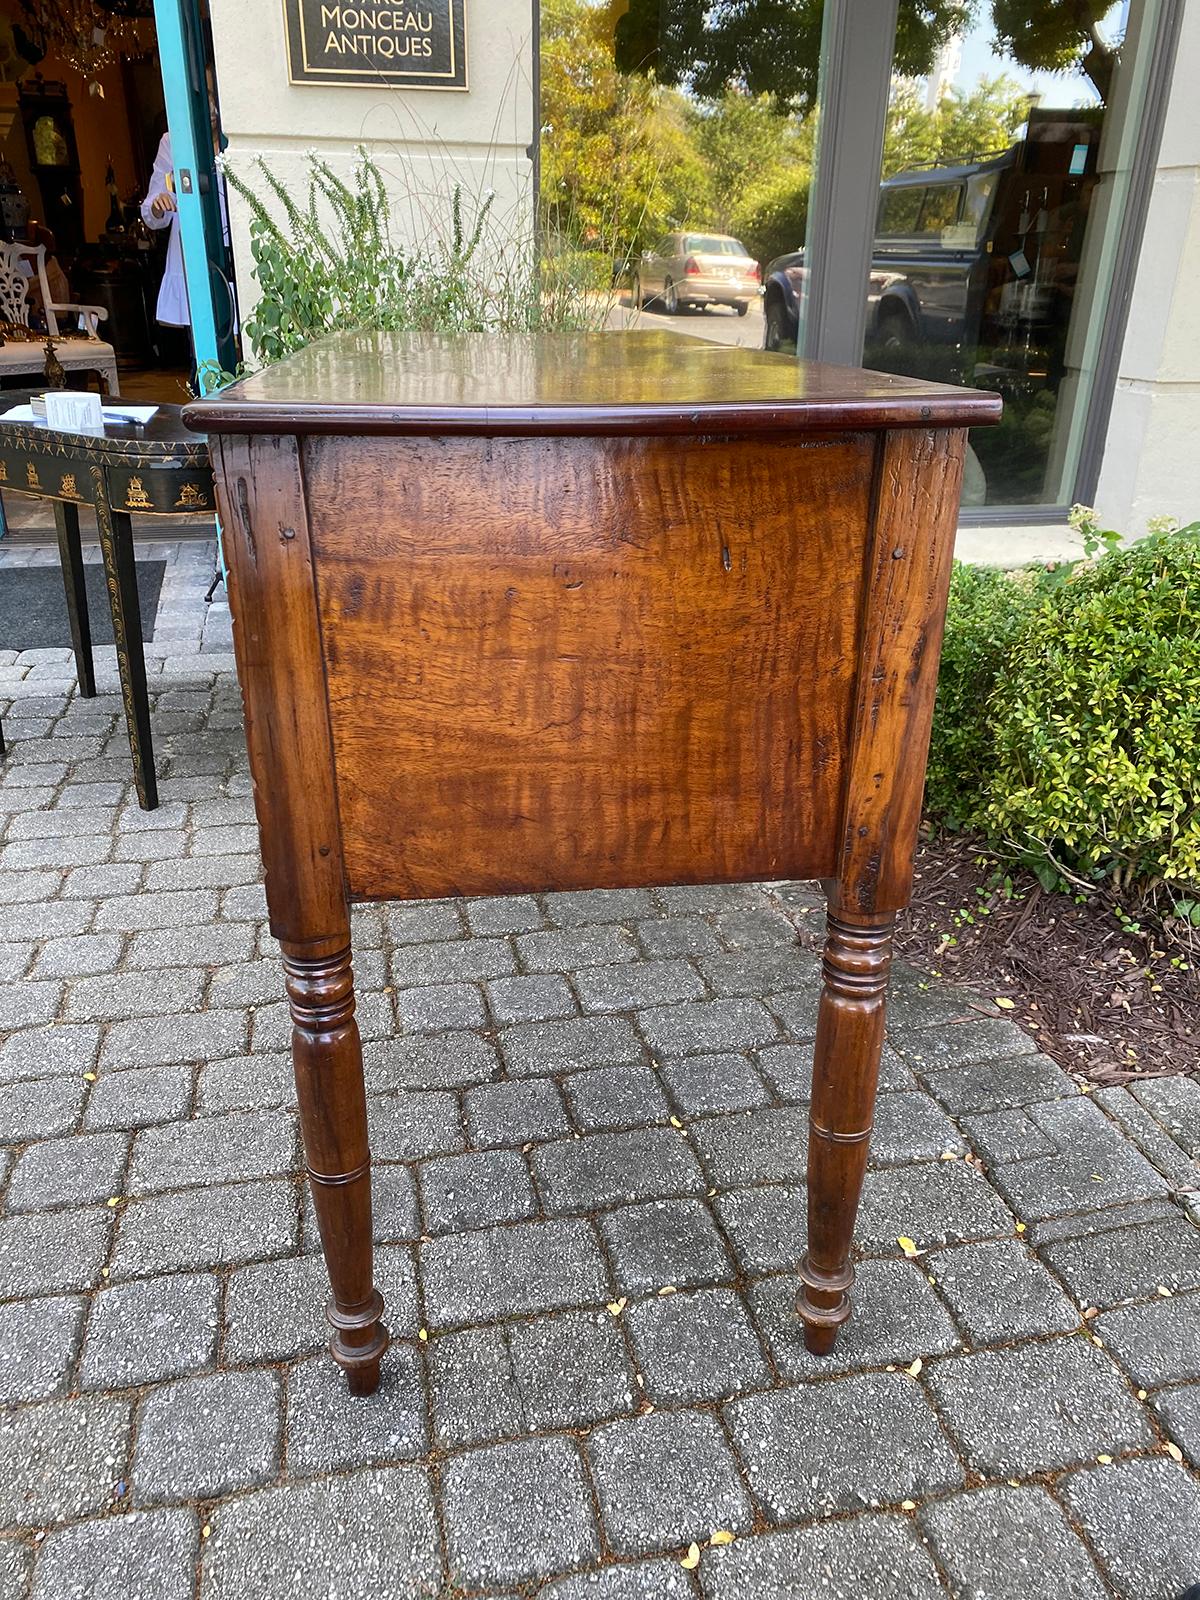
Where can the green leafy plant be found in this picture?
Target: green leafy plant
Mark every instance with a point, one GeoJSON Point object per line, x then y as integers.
{"type": "Point", "coordinates": [1068, 717]}
{"type": "Point", "coordinates": [329, 260]}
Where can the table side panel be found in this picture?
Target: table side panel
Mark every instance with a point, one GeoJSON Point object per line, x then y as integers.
{"type": "Point", "coordinates": [556, 663]}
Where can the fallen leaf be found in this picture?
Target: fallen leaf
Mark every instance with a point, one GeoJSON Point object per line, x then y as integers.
{"type": "Point", "coordinates": [675, 1122]}
{"type": "Point", "coordinates": [615, 1307]}
{"type": "Point", "coordinates": [89, 1077]}
{"type": "Point", "coordinates": [1164, 1291]}
{"type": "Point", "coordinates": [1173, 1450]}
{"type": "Point", "coordinates": [722, 1536]}
{"type": "Point", "coordinates": [668, 1288]}
{"type": "Point", "coordinates": [909, 1246]}
{"type": "Point", "coordinates": [423, 1335]}
{"type": "Point", "coordinates": [1142, 1394]}
{"type": "Point", "coordinates": [915, 1370]}
{"type": "Point", "coordinates": [206, 1530]}
{"type": "Point", "coordinates": [908, 1505]}
{"type": "Point", "coordinates": [692, 1559]}
{"type": "Point", "coordinates": [1020, 1227]}
{"type": "Point", "coordinates": [1004, 1002]}
{"type": "Point", "coordinates": [1105, 1461]}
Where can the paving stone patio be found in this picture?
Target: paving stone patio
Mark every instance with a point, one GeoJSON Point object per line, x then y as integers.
{"type": "Point", "coordinates": [588, 1112]}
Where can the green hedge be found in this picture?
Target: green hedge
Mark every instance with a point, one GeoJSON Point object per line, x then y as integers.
{"type": "Point", "coordinates": [1068, 713]}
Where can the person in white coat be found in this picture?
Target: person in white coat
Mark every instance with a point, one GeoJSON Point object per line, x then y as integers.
{"type": "Point", "coordinates": [160, 210]}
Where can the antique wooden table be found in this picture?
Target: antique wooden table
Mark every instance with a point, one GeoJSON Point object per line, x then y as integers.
{"type": "Point", "coordinates": [520, 613]}
{"type": "Point", "coordinates": [156, 468]}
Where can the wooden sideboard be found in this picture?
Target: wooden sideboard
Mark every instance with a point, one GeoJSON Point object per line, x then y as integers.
{"type": "Point", "coordinates": [516, 613]}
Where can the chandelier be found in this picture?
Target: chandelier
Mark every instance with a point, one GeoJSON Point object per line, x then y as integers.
{"type": "Point", "coordinates": [88, 34]}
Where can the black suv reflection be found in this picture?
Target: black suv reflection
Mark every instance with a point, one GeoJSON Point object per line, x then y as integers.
{"type": "Point", "coordinates": [978, 259]}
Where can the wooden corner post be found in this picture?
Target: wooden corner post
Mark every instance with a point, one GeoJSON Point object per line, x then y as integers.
{"type": "Point", "coordinates": [906, 579]}
{"type": "Point", "coordinates": [273, 600]}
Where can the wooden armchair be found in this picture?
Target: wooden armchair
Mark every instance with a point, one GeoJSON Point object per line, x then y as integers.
{"type": "Point", "coordinates": [83, 351]}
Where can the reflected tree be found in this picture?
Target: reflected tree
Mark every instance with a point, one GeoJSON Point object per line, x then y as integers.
{"type": "Point", "coordinates": [774, 46]}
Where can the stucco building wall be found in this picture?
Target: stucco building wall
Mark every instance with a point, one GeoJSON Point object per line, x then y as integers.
{"type": "Point", "coordinates": [426, 142]}
{"type": "Point", "coordinates": [1151, 460]}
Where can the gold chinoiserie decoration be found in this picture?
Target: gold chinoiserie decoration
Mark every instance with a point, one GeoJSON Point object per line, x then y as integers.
{"type": "Point", "coordinates": [136, 498]}
{"type": "Point", "coordinates": [68, 488]}
{"type": "Point", "coordinates": [191, 499]}
{"type": "Point", "coordinates": [3, 471]}
{"type": "Point", "coordinates": [31, 475]}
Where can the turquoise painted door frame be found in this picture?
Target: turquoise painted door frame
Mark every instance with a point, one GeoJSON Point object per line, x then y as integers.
{"type": "Point", "coordinates": [201, 226]}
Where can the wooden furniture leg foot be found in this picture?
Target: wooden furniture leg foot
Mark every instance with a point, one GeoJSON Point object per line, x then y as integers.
{"type": "Point", "coordinates": [327, 1056]}
{"type": "Point", "coordinates": [70, 555]}
{"type": "Point", "coordinates": [850, 1021]}
{"type": "Point", "coordinates": [116, 546]}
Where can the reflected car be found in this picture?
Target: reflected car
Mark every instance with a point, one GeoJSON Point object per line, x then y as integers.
{"type": "Point", "coordinates": [697, 269]}
{"type": "Point", "coordinates": [931, 262]}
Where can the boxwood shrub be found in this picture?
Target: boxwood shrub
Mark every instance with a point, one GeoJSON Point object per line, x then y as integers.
{"type": "Point", "coordinates": [1068, 714]}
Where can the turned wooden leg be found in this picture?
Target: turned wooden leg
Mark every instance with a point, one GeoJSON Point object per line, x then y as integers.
{"type": "Point", "coordinates": [858, 950]}
{"type": "Point", "coordinates": [327, 1056]}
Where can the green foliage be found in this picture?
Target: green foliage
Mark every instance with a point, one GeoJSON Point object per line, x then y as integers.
{"type": "Point", "coordinates": [771, 219]}
{"type": "Point", "coordinates": [626, 158]}
{"type": "Point", "coordinates": [748, 146]}
{"type": "Point", "coordinates": [1068, 717]}
{"type": "Point", "coordinates": [327, 261]}
{"type": "Point", "coordinates": [962, 127]}
{"type": "Point", "coordinates": [619, 164]}
{"type": "Point", "coordinates": [986, 612]}
{"type": "Point", "coordinates": [774, 46]}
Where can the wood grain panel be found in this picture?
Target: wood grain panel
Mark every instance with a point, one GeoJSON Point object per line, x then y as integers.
{"type": "Point", "coordinates": [904, 613]}
{"type": "Point", "coordinates": [560, 662]}
{"type": "Point", "coordinates": [260, 494]}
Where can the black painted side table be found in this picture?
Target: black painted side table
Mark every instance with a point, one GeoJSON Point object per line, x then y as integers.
{"type": "Point", "coordinates": [158, 469]}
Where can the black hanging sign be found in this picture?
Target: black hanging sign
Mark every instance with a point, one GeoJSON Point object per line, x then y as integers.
{"type": "Point", "coordinates": [419, 46]}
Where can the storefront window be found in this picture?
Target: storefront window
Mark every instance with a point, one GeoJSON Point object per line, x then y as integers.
{"type": "Point", "coordinates": [1001, 192]}
{"type": "Point", "coordinates": [679, 142]}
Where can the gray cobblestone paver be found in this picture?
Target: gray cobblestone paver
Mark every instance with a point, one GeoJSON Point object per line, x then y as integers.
{"type": "Point", "coordinates": [870, 1555]}
{"type": "Point", "coordinates": [150, 1329]}
{"type": "Point", "coordinates": [202, 1437]}
{"type": "Point", "coordinates": [1005, 1543]}
{"type": "Point", "coordinates": [38, 1339]}
{"type": "Point", "coordinates": [577, 1101]}
{"type": "Point", "coordinates": [1143, 1520]}
{"type": "Point", "coordinates": [357, 1537]}
{"type": "Point", "coordinates": [696, 1346]}
{"type": "Point", "coordinates": [664, 1480]}
{"type": "Point", "coordinates": [1156, 1343]}
{"type": "Point", "coordinates": [329, 1430]}
{"type": "Point", "coordinates": [518, 1511]}
{"type": "Point", "coordinates": [841, 1446]}
{"type": "Point", "coordinates": [61, 1459]}
{"type": "Point", "coordinates": [1038, 1407]}
{"type": "Point", "coordinates": [144, 1555]}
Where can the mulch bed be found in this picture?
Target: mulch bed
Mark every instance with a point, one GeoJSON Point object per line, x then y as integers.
{"type": "Point", "coordinates": [1109, 1004]}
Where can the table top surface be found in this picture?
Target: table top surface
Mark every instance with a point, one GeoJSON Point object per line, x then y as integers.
{"type": "Point", "coordinates": [164, 437]}
{"type": "Point", "coordinates": [627, 382]}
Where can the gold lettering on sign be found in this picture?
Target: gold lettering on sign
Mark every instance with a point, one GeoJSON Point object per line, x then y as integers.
{"type": "Point", "coordinates": [136, 498]}
{"type": "Point", "coordinates": [421, 42]}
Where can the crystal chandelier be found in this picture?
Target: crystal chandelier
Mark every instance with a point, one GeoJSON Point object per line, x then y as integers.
{"type": "Point", "coordinates": [89, 35]}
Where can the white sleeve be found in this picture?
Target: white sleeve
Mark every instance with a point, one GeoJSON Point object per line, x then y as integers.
{"type": "Point", "coordinates": [158, 185]}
